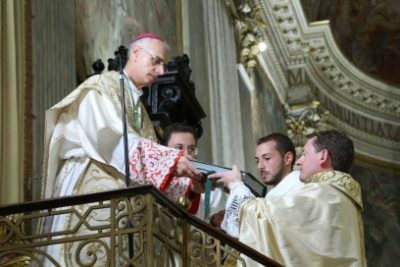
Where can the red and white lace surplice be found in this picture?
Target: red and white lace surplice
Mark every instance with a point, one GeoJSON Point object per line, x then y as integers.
{"type": "Point", "coordinates": [153, 163]}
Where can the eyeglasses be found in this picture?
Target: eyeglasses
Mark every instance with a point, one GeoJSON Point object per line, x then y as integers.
{"type": "Point", "coordinates": [156, 60]}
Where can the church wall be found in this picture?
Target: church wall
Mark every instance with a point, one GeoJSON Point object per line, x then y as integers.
{"type": "Point", "coordinates": [105, 25]}
{"type": "Point", "coordinates": [194, 47]}
{"type": "Point", "coordinates": [272, 117]}
{"type": "Point", "coordinates": [262, 114]}
{"type": "Point", "coordinates": [249, 140]}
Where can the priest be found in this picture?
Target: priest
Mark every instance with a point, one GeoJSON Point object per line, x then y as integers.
{"type": "Point", "coordinates": [85, 129]}
{"type": "Point", "coordinates": [319, 224]}
{"type": "Point", "coordinates": [84, 148]}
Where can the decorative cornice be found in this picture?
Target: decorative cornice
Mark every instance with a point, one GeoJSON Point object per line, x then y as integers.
{"type": "Point", "coordinates": [314, 46]}
{"type": "Point", "coordinates": [366, 108]}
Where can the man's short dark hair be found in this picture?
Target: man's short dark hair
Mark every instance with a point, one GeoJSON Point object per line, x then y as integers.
{"type": "Point", "coordinates": [178, 128]}
{"type": "Point", "coordinates": [283, 144]}
{"type": "Point", "coordinates": [340, 148]}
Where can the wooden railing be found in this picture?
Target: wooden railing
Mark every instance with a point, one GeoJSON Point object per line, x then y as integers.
{"type": "Point", "coordinates": [93, 230]}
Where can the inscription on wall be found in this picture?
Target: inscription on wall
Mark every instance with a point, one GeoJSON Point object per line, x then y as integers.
{"type": "Point", "coordinates": [296, 76]}
{"type": "Point", "coordinates": [361, 122]}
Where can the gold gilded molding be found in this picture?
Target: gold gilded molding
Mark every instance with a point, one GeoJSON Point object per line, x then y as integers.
{"type": "Point", "coordinates": [249, 24]}
{"type": "Point", "coordinates": [303, 120]}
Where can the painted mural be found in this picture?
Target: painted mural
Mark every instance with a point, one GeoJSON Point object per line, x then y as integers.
{"type": "Point", "coordinates": [367, 32]}
{"type": "Point", "coordinates": [381, 197]}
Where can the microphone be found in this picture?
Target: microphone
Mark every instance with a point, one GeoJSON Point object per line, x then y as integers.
{"type": "Point", "coordinates": [125, 140]}
{"type": "Point", "coordinates": [124, 124]}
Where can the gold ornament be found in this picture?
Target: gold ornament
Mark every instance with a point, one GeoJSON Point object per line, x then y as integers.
{"type": "Point", "coordinates": [184, 202]}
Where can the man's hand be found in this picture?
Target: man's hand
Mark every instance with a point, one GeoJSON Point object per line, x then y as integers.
{"type": "Point", "coordinates": [184, 168]}
{"type": "Point", "coordinates": [198, 186]}
{"type": "Point", "coordinates": [217, 218]}
{"type": "Point", "coordinates": [227, 177]}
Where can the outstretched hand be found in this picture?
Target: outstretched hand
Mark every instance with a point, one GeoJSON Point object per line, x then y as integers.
{"type": "Point", "coordinates": [184, 168]}
{"type": "Point", "coordinates": [227, 177]}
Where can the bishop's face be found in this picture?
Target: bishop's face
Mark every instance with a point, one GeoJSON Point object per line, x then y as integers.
{"type": "Point", "coordinates": [148, 63]}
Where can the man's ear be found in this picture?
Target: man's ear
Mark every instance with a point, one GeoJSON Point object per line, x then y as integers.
{"type": "Point", "coordinates": [134, 51]}
{"type": "Point", "coordinates": [288, 158]}
{"type": "Point", "coordinates": [325, 158]}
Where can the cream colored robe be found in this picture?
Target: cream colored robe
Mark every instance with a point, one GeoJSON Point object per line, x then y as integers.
{"type": "Point", "coordinates": [319, 224]}
{"type": "Point", "coordinates": [85, 126]}
{"type": "Point", "coordinates": [84, 154]}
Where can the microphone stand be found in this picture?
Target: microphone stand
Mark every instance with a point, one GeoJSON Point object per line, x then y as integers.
{"type": "Point", "coordinates": [126, 151]}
